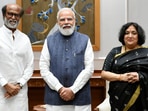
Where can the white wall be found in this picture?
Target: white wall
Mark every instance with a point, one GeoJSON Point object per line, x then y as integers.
{"type": "Point", "coordinates": [2, 3]}
{"type": "Point", "coordinates": [137, 12]}
{"type": "Point", "coordinates": [113, 13]}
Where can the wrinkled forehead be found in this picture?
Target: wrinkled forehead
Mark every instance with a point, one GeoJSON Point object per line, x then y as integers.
{"type": "Point", "coordinates": [66, 13]}
{"type": "Point", "coordinates": [13, 8]}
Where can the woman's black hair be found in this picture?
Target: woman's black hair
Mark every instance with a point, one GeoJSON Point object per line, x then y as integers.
{"type": "Point", "coordinates": [139, 29]}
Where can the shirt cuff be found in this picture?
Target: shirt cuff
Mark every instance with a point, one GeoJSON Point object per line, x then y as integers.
{"type": "Point", "coordinates": [57, 87]}
{"type": "Point", "coordinates": [22, 81]}
{"type": "Point", "coordinates": [3, 82]}
{"type": "Point", "coordinates": [74, 90]}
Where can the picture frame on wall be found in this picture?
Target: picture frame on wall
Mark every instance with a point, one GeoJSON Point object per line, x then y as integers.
{"type": "Point", "coordinates": [39, 19]}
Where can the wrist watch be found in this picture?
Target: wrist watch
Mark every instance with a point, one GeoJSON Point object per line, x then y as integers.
{"type": "Point", "coordinates": [20, 85]}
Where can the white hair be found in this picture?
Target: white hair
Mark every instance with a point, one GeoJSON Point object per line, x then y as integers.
{"type": "Point", "coordinates": [63, 9]}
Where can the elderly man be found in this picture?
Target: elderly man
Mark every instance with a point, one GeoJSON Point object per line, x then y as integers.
{"type": "Point", "coordinates": [16, 61]}
{"type": "Point", "coordinates": [66, 64]}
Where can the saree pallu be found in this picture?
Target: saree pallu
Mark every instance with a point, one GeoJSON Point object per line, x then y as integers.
{"type": "Point", "coordinates": [121, 92]}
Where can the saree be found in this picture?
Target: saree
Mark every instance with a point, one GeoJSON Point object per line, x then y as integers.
{"type": "Point", "coordinates": [121, 92]}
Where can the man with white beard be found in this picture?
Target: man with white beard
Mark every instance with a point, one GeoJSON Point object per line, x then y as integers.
{"type": "Point", "coordinates": [66, 65]}
{"type": "Point", "coordinates": [16, 61]}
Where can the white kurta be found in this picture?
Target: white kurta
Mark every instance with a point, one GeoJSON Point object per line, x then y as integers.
{"type": "Point", "coordinates": [81, 80]}
{"type": "Point", "coordinates": [16, 65]}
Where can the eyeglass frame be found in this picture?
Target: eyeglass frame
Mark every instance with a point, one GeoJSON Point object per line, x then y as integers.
{"type": "Point", "coordinates": [11, 14]}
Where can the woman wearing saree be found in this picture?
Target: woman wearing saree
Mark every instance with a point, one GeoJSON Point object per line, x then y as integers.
{"type": "Point", "coordinates": [126, 67]}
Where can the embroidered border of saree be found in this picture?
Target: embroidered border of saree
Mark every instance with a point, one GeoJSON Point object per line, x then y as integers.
{"type": "Point", "coordinates": [133, 99]}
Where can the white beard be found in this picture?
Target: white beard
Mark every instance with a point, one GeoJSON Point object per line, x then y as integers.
{"type": "Point", "coordinates": [11, 23]}
{"type": "Point", "coordinates": [66, 32]}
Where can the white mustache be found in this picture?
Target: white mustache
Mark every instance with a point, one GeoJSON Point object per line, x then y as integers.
{"type": "Point", "coordinates": [68, 25]}
{"type": "Point", "coordinates": [12, 21]}
{"type": "Point", "coordinates": [66, 31]}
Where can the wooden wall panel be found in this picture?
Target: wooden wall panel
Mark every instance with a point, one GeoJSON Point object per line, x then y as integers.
{"type": "Point", "coordinates": [36, 90]}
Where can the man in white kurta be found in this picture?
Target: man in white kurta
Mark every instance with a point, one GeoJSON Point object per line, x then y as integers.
{"type": "Point", "coordinates": [16, 62]}
{"type": "Point", "coordinates": [64, 53]}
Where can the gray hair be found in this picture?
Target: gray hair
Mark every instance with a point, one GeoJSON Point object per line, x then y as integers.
{"type": "Point", "coordinates": [63, 9]}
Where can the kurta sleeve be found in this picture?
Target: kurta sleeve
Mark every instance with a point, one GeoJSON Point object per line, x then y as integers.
{"type": "Point", "coordinates": [29, 66]}
{"type": "Point", "coordinates": [86, 73]}
{"type": "Point", "coordinates": [3, 81]}
{"type": "Point", "coordinates": [44, 65]}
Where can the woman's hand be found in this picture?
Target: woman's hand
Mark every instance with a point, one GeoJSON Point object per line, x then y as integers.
{"type": "Point", "coordinates": [130, 77]}
{"type": "Point", "coordinates": [133, 77]}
